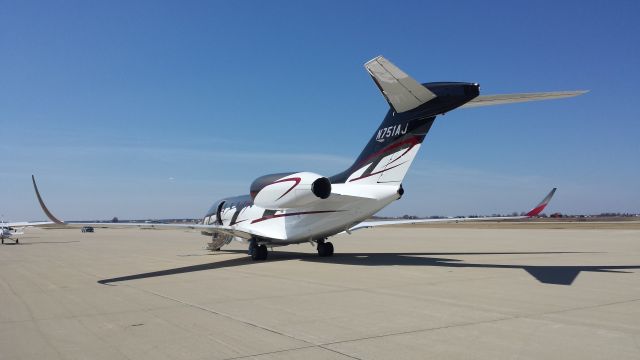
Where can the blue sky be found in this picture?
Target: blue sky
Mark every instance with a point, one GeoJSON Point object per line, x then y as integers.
{"type": "Point", "coordinates": [155, 109]}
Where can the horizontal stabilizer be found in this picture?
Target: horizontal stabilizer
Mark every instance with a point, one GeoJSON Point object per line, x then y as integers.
{"type": "Point", "coordinates": [487, 100]}
{"type": "Point", "coordinates": [402, 92]}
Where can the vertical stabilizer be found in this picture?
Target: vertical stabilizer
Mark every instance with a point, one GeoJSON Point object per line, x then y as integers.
{"type": "Point", "coordinates": [390, 151]}
{"type": "Point", "coordinates": [414, 106]}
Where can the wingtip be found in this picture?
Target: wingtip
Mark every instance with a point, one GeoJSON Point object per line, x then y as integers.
{"type": "Point", "coordinates": [543, 204]}
{"type": "Point", "coordinates": [572, 93]}
{"type": "Point", "coordinates": [42, 205]}
{"type": "Point", "coordinates": [376, 58]}
{"type": "Point", "coordinates": [569, 94]}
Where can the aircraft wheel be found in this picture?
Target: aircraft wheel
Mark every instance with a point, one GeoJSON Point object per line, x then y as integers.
{"type": "Point", "coordinates": [2, 241]}
{"type": "Point", "coordinates": [329, 247]}
{"type": "Point", "coordinates": [325, 249]}
{"type": "Point", "coordinates": [17, 241]}
{"type": "Point", "coordinates": [260, 252]}
{"type": "Point", "coordinates": [322, 250]}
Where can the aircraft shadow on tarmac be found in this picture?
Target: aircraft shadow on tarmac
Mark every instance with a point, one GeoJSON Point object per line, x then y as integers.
{"type": "Point", "coordinates": [547, 274]}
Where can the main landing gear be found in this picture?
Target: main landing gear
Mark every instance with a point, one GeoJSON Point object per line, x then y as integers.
{"type": "Point", "coordinates": [324, 248]}
{"type": "Point", "coordinates": [257, 252]}
{"type": "Point", "coordinates": [17, 241]}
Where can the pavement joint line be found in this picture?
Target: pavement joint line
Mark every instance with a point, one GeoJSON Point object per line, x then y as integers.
{"type": "Point", "coordinates": [294, 349]}
{"type": "Point", "coordinates": [336, 289]}
{"type": "Point", "coordinates": [282, 277]}
{"type": "Point", "coordinates": [218, 313]}
{"type": "Point", "coordinates": [339, 288]}
{"type": "Point", "coordinates": [241, 321]}
{"type": "Point", "coordinates": [78, 317]}
{"type": "Point", "coordinates": [352, 288]}
{"type": "Point", "coordinates": [596, 306]}
{"type": "Point", "coordinates": [585, 307]}
{"type": "Point", "coordinates": [348, 289]}
{"type": "Point", "coordinates": [324, 346]}
{"type": "Point", "coordinates": [339, 352]}
{"type": "Point", "coordinates": [272, 352]}
{"type": "Point", "coordinates": [529, 316]}
{"type": "Point", "coordinates": [35, 322]}
{"type": "Point", "coordinates": [284, 296]}
{"type": "Point", "coordinates": [421, 330]}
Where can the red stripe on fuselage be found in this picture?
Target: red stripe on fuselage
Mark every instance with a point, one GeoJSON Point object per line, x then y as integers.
{"type": "Point", "coordinates": [377, 172]}
{"type": "Point", "coordinates": [412, 141]}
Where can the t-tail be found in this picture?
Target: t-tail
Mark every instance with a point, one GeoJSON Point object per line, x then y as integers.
{"type": "Point", "coordinates": [413, 109]}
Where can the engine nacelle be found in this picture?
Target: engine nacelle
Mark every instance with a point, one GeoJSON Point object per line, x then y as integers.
{"type": "Point", "coordinates": [289, 190]}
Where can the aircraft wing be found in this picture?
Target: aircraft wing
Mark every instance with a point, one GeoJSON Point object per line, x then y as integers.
{"type": "Point", "coordinates": [533, 212]}
{"type": "Point", "coordinates": [227, 230]}
{"type": "Point", "coordinates": [57, 223]}
{"type": "Point", "coordinates": [22, 224]}
{"type": "Point", "coordinates": [487, 100]}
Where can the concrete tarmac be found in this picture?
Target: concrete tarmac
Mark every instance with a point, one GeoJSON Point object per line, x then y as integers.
{"type": "Point", "coordinates": [400, 293]}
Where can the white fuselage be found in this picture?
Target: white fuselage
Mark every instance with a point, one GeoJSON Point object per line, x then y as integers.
{"type": "Point", "coordinates": [347, 205]}
{"type": "Point", "coordinates": [6, 233]}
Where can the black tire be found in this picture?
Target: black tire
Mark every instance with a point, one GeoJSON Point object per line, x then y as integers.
{"type": "Point", "coordinates": [260, 253]}
{"type": "Point", "coordinates": [329, 247]}
{"type": "Point", "coordinates": [322, 249]}
{"type": "Point", "coordinates": [325, 249]}
{"type": "Point", "coordinates": [17, 241]}
{"type": "Point", "coordinates": [253, 251]}
{"type": "Point", "coordinates": [3, 241]}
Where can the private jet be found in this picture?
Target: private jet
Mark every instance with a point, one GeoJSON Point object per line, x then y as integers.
{"type": "Point", "coordinates": [303, 206]}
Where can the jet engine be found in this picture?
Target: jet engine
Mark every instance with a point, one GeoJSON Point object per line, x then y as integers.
{"type": "Point", "coordinates": [289, 190]}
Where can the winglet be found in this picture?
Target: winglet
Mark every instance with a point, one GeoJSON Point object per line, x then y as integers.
{"type": "Point", "coordinates": [43, 206]}
{"type": "Point", "coordinates": [538, 209]}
